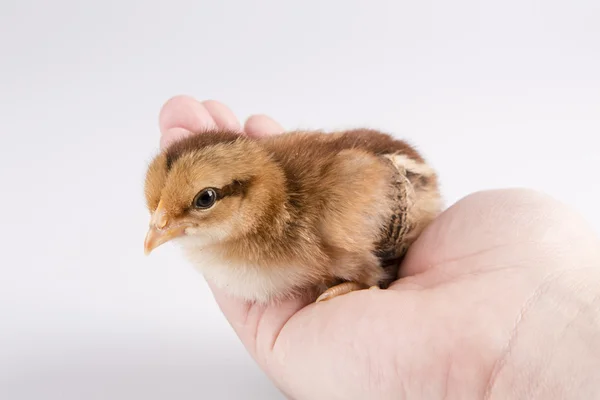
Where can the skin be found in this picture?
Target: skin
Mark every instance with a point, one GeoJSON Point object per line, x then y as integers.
{"type": "Point", "coordinates": [499, 298]}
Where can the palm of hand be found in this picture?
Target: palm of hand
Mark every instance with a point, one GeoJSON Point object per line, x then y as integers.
{"type": "Point", "coordinates": [471, 282]}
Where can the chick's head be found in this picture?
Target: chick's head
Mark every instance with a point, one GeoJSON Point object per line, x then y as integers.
{"type": "Point", "coordinates": [209, 188]}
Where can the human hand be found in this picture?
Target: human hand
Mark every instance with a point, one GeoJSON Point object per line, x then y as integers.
{"type": "Point", "coordinates": [498, 298]}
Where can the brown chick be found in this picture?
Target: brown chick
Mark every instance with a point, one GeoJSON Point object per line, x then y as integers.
{"type": "Point", "coordinates": [292, 214]}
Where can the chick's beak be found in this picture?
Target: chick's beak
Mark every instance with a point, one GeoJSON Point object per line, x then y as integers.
{"type": "Point", "coordinates": [161, 230]}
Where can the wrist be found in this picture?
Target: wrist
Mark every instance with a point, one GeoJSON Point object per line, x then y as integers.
{"type": "Point", "coordinates": [554, 351]}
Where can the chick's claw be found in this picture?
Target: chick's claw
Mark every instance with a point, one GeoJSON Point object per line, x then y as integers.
{"type": "Point", "coordinates": [339, 290]}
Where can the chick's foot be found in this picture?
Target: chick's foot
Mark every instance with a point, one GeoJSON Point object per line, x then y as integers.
{"type": "Point", "coordinates": [339, 290]}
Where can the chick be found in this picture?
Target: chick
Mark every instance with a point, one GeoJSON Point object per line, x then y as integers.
{"type": "Point", "coordinates": [301, 213]}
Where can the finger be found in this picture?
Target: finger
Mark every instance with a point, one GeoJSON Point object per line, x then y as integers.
{"type": "Point", "coordinates": [256, 325]}
{"type": "Point", "coordinates": [261, 125]}
{"type": "Point", "coordinates": [182, 115]}
{"type": "Point", "coordinates": [224, 118]}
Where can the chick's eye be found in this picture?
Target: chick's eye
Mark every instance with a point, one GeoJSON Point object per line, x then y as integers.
{"type": "Point", "coordinates": [205, 199]}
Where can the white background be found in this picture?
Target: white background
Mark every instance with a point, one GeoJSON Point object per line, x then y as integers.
{"type": "Point", "coordinates": [495, 94]}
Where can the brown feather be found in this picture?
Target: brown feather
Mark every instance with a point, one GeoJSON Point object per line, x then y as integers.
{"type": "Point", "coordinates": [317, 208]}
